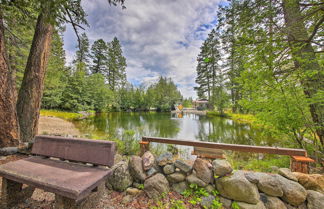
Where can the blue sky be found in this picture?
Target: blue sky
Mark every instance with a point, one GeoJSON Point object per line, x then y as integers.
{"type": "Point", "coordinates": [158, 37]}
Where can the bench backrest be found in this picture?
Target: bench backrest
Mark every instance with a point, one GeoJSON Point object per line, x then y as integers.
{"type": "Point", "coordinates": [98, 152]}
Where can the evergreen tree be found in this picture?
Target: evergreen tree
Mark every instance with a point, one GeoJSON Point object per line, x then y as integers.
{"type": "Point", "coordinates": [83, 53]}
{"type": "Point", "coordinates": [116, 65]}
{"type": "Point", "coordinates": [99, 56]}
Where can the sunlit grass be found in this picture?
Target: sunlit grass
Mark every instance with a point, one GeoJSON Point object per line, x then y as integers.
{"type": "Point", "coordinates": [61, 114]}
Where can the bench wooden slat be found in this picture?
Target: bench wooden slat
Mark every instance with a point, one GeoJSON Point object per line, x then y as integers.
{"type": "Point", "coordinates": [97, 152]}
{"type": "Point", "coordinates": [70, 180]}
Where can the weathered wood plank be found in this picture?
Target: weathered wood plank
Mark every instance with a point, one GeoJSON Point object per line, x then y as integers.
{"type": "Point", "coordinates": [233, 147]}
{"type": "Point", "coordinates": [97, 152]}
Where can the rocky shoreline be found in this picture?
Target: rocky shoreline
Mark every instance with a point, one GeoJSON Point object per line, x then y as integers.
{"type": "Point", "coordinates": [248, 190]}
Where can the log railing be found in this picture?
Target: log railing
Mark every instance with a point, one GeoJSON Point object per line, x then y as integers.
{"type": "Point", "coordinates": [234, 147]}
{"type": "Point", "coordinates": [299, 160]}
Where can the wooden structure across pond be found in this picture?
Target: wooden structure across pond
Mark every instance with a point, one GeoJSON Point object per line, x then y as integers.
{"type": "Point", "coordinates": [299, 160]}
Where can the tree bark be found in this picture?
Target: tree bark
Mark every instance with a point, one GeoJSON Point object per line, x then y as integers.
{"type": "Point", "coordinates": [9, 129]}
{"type": "Point", "coordinates": [31, 91]}
{"type": "Point", "coordinates": [306, 61]}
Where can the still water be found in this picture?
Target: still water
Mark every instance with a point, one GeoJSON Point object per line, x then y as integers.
{"type": "Point", "coordinates": [172, 125]}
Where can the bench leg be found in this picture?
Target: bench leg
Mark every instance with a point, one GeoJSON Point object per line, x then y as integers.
{"type": "Point", "coordinates": [89, 202]}
{"type": "Point", "coordinates": [13, 193]}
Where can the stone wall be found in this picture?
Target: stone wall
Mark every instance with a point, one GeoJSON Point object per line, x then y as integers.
{"type": "Point", "coordinates": [250, 190]}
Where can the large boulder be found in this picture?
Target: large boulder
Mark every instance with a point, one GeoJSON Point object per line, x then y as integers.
{"type": "Point", "coordinates": [221, 167]}
{"type": "Point", "coordinates": [244, 205]}
{"type": "Point", "coordinates": [183, 166]}
{"type": "Point", "coordinates": [164, 159]}
{"type": "Point", "coordinates": [272, 202]}
{"type": "Point", "coordinates": [293, 192]}
{"type": "Point", "coordinates": [237, 187]}
{"type": "Point", "coordinates": [192, 179]}
{"type": "Point", "coordinates": [156, 185]}
{"type": "Point", "coordinates": [203, 171]}
{"type": "Point", "coordinates": [285, 172]}
{"type": "Point", "coordinates": [120, 177]}
{"type": "Point", "coordinates": [176, 177]}
{"type": "Point", "coordinates": [136, 168]}
{"type": "Point", "coordinates": [315, 200]}
{"type": "Point", "coordinates": [311, 181]}
{"type": "Point", "coordinates": [266, 183]}
{"type": "Point", "coordinates": [148, 160]}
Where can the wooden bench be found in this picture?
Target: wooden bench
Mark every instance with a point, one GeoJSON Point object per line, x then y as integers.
{"type": "Point", "coordinates": [74, 176]}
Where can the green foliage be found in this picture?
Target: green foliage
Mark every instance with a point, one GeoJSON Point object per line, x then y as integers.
{"type": "Point", "coordinates": [141, 186]}
{"type": "Point", "coordinates": [177, 204]}
{"type": "Point", "coordinates": [235, 205]}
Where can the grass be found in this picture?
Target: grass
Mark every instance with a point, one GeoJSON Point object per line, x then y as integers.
{"type": "Point", "coordinates": [61, 114]}
{"type": "Point", "coordinates": [240, 118]}
{"type": "Point", "coordinates": [261, 165]}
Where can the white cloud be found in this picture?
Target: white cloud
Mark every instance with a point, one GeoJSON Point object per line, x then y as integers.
{"type": "Point", "coordinates": [159, 37]}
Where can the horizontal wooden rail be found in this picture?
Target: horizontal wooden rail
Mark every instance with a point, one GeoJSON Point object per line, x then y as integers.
{"type": "Point", "coordinates": [233, 147]}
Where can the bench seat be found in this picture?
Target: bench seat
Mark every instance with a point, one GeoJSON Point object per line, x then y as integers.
{"type": "Point", "coordinates": [68, 179]}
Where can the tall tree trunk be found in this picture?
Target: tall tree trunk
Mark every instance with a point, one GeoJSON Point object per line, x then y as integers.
{"type": "Point", "coordinates": [9, 128]}
{"type": "Point", "coordinates": [31, 91]}
{"type": "Point", "coordinates": [305, 60]}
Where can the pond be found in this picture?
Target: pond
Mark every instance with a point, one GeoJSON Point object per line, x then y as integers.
{"type": "Point", "coordinates": [185, 126]}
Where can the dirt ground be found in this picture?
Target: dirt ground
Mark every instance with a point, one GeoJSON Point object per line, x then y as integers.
{"type": "Point", "coordinates": [56, 126]}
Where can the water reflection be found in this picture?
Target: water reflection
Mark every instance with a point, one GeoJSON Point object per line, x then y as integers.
{"type": "Point", "coordinates": [181, 126]}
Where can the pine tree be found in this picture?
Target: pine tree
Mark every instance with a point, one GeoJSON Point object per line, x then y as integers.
{"type": "Point", "coordinates": [116, 65]}
{"type": "Point", "coordinates": [83, 53]}
{"type": "Point", "coordinates": [99, 56]}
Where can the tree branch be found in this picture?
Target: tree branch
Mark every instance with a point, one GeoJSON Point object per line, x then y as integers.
{"type": "Point", "coordinates": [74, 25]}
{"type": "Point", "coordinates": [317, 25]}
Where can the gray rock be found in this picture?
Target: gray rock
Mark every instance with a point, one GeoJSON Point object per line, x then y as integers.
{"type": "Point", "coordinates": [136, 168]}
{"type": "Point", "coordinates": [293, 193]}
{"type": "Point", "coordinates": [8, 150]}
{"type": "Point", "coordinates": [285, 172]}
{"type": "Point", "coordinates": [266, 183]}
{"type": "Point", "coordinates": [168, 169]}
{"type": "Point", "coordinates": [120, 177]}
{"type": "Point", "coordinates": [176, 177]}
{"type": "Point", "coordinates": [177, 170]}
{"type": "Point", "coordinates": [225, 202]}
{"type": "Point", "coordinates": [221, 167]}
{"type": "Point", "coordinates": [315, 200]}
{"type": "Point", "coordinates": [132, 191]}
{"type": "Point", "coordinates": [180, 187]}
{"type": "Point", "coordinates": [183, 166]}
{"type": "Point", "coordinates": [244, 205]}
{"type": "Point", "coordinates": [156, 185]}
{"type": "Point", "coordinates": [164, 159]}
{"type": "Point", "coordinates": [206, 202]}
{"type": "Point", "coordinates": [118, 158]}
{"type": "Point", "coordinates": [274, 169]}
{"type": "Point", "coordinates": [238, 188]}
{"type": "Point", "coordinates": [270, 185]}
{"type": "Point", "coordinates": [192, 179]}
{"type": "Point", "coordinates": [151, 172]}
{"type": "Point", "coordinates": [202, 170]}
{"type": "Point", "coordinates": [148, 160]}
{"type": "Point", "coordinates": [272, 202]}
